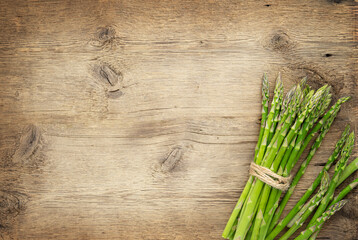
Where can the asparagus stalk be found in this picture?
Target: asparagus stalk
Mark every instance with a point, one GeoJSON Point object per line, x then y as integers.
{"type": "Point", "coordinates": [338, 169]}
{"type": "Point", "coordinates": [318, 223]}
{"type": "Point", "coordinates": [351, 168]}
{"type": "Point", "coordinates": [304, 142]}
{"type": "Point", "coordinates": [310, 190]}
{"type": "Point", "coordinates": [265, 201]}
{"type": "Point", "coordinates": [256, 226]}
{"type": "Point", "coordinates": [244, 223]}
{"type": "Point", "coordinates": [342, 194]}
{"type": "Point", "coordinates": [284, 134]}
{"type": "Point", "coordinates": [264, 119]}
{"type": "Point", "coordinates": [267, 189]}
{"type": "Point", "coordinates": [275, 194]}
{"type": "Point", "coordinates": [269, 122]}
{"type": "Point", "coordinates": [314, 235]}
{"type": "Point", "coordinates": [241, 212]}
{"type": "Point", "coordinates": [325, 178]}
{"type": "Point", "coordinates": [294, 96]}
{"type": "Point", "coordinates": [333, 157]}
{"type": "Point", "coordinates": [277, 112]}
{"type": "Point", "coordinates": [256, 207]}
{"type": "Point", "coordinates": [260, 217]}
{"type": "Point", "coordinates": [232, 232]}
{"type": "Point", "coordinates": [287, 106]}
{"type": "Point", "coordinates": [285, 124]}
{"type": "Point", "coordinates": [299, 215]}
{"type": "Point", "coordinates": [316, 128]}
{"type": "Point", "coordinates": [265, 99]}
{"type": "Point", "coordinates": [311, 205]}
{"type": "Point", "coordinates": [291, 101]}
{"type": "Point", "coordinates": [249, 233]}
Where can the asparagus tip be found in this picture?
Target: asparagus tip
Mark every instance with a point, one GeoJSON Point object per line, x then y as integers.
{"type": "Point", "coordinates": [344, 99]}
{"type": "Point", "coordinates": [338, 205]}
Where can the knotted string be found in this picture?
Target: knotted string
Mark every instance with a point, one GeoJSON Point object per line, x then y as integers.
{"type": "Point", "coordinates": [269, 177]}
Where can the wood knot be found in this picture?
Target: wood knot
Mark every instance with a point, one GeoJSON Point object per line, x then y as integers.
{"type": "Point", "coordinates": [109, 75]}
{"type": "Point", "coordinates": [107, 33]}
{"type": "Point", "coordinates": [169, 162]}
{"type": "Point", "coordinates": [11, 203]}
{"type": "Point", "coordinates": [28, 144]}
{"type": "Point", "coordinates": [110, 78]}
{"type": "Point", "coordinates": [172, 160]}
{"type": "Point", "coordinates": [280, 41]}
{"type": "Point", "coordinates": [105, 38]}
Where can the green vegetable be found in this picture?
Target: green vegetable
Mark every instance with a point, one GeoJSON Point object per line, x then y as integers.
{"type": "Point", "coordinates": [311, 189]}
{"type": "Point", "coordinates": [338, 169]}
{"type": "Point", "coordinates": [275, 194]}
{"type": "Point", "coordinates": [317, 224]}
{"type": "Point", "coordinates": [274, 156]}
{"type": "Point", "coordinates": [351, 168]}
{"type": "Point", "coordinates": [338, 198]}
{"type": "Point", "coordinates": [264, 118]}
{"type": "Point", "coordinates": [287, 128]}
{"type": "Point", "coordinates": [306, 211]}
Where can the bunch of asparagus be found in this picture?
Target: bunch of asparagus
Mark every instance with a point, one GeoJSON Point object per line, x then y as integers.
{"type": "Point", "coordinates": [286, 130]}
{"type": "Point", "coordinates": [323, 200]}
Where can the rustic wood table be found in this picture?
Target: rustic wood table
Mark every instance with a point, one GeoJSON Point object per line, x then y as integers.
{"type": "Point", "coordinates": [138, 119]}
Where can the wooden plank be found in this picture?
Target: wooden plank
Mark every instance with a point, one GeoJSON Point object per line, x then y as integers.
{"type": "Point", "coordinates": [138, 119]}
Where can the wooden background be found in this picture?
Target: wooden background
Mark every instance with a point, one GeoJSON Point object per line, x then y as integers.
{"type": "Point", "coordinates": [138, 119]}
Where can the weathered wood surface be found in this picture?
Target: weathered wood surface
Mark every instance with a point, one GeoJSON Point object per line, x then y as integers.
{"type": "Point", "coordinates": [138, 119]}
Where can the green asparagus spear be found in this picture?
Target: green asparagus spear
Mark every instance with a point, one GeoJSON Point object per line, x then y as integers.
{"type": "Point", "coordinates": [338, 198]}
{"type": "Point", "coordinates": [344, 192]}
{"type": "Point", "coordinates": [351, 168]}
{"type": "Point", "coordinates": [321, 220]}
{"type": "Point", "coordinates": [245, 222]}
{"type": "Point", "coordinates": [277, 112]}
{"type": "Point", "coordinates": [264, 125]}
{"type": "Point", "coordinates": [265, 99]}
{"type": "Point", "coordinates": [260, 218]}
{"type": "Point", "coordinates": [275, 194]}
{"type": "Point", "coordinates": [285, 132]}
{"type": "Point", "coordinates": [333, 157]}
{"type": "Point", "coordinates": [338, 169]}
{"type": "Point", "coordinates": [311, 206]}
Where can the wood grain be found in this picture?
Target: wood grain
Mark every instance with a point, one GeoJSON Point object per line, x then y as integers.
{"type": "Point", "coordinates": [138, 119]}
